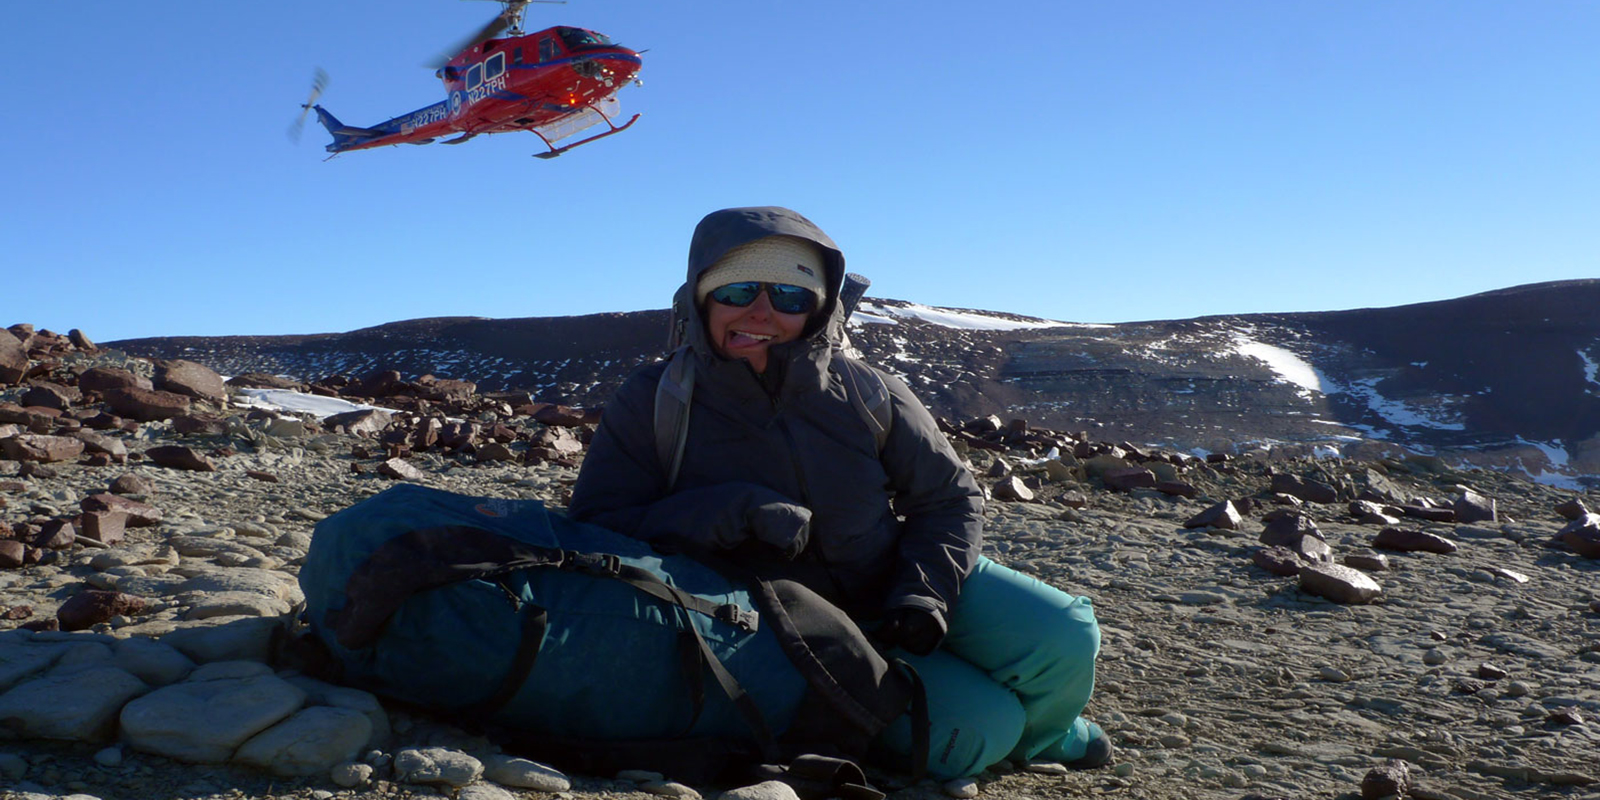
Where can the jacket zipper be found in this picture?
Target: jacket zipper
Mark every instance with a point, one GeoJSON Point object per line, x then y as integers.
{"type": "Point", "coordinates": [814, 546]}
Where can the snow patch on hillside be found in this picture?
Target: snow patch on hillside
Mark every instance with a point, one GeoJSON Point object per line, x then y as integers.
{"type": "Point", "coordinates": [874, 314]}
{"type": "Point", "coordinates": [1288, 366]}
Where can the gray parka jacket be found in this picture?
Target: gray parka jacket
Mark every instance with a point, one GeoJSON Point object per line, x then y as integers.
{"type": "Point", "coordinates": [770, 453]}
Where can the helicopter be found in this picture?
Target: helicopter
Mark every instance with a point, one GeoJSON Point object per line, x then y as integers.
{"type": "Point", "coordinates": [556, 83]}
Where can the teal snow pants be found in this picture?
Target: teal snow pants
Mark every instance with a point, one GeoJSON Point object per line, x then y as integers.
{"type": "Point", "coordinates": [1010, 678]}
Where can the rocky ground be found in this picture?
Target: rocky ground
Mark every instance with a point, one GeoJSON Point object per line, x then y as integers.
{"type": "Point", "coordinates": [1228, 670]}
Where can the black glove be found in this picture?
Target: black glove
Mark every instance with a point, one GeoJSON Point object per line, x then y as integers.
{"type": "Point", "coordinates": [784, 526]}
{"type": "Point", "coordinates": [913, 630]}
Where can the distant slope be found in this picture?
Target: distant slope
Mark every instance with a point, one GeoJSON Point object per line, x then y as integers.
{"type": "Point", "coordinates": [1513, 371]}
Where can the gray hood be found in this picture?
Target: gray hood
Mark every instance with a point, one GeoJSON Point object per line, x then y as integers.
{"type": "Point", "coordinates": [724, 230]}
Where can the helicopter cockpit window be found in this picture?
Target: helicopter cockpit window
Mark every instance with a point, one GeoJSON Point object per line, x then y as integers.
{"type": "Point", "coordinates": [494, 67]}
{"type": "Point", "coordinates": [548, 49]}
{"type": "Point", "coordinates": [577, 39]}
{"type": "Point", "coordinates": [474, 76]}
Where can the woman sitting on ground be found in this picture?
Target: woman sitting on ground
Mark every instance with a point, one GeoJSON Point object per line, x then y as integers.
{"type": "Point", "coordinates": [780, 458]}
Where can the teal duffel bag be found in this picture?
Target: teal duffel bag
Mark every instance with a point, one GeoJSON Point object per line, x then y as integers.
{"type": "Point", "coordinates": [578, 641]}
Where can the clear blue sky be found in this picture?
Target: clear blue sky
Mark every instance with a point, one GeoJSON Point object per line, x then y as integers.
{"type": "Point", "coordinates": [1082, 161]}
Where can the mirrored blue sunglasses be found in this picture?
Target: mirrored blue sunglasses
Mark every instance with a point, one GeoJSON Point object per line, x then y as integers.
{"type": "Point", "coordinates": [785, 298]}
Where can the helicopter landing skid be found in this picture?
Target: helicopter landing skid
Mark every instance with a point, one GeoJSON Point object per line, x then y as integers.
{"type": "Point", "coordinates": [556, 151]}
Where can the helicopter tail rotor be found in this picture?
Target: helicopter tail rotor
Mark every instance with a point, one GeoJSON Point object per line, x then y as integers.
{"type": "Point", "coordinates": [319, 81]}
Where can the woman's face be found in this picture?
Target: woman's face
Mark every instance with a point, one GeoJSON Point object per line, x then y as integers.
{"type": "Point", "coordinates": [747, 332]}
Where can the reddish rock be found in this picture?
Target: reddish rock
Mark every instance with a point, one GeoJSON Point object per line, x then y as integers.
{"type": "Point", "coordinates": [1286, 527]}
{"type": "Point", "coordinates": [1307, 490]}
{"type": "Point", "coordinates": [1473, 507]}
{"type": "Point", "coordinates": [265, 477]}
{"type": "Point", "coordinates": [41, 625]}
{"type": "Point", "coordinates": [1565, 716]}
{"type": "Point", "coordinates": [131, 484]}
{"type": "Point", "coordinates": [425, 434]}
{"type": "Point", "coordinates": [105, 527]}
{"type": "Point", "coordinates": [139, 514]}
{"type": "Point", "coordinates": [11, 553]}
{"type": "Point", "coordinates": [1572, 509]}
{"type": "Point", "coordinates": [57, 534]}
{"type": "Point", "coordinates": [98, 443]}
{"type": "Point", "coordinates": [379, 383]}
{"type": "Point", "coordinates": [104, 379]}
{"type": "Point", "coordinates": [1222, 515]}
{"type": "Point", "coordinates": [366, 422]}
{"type": "Point", "coordinates": [1368, 561]}
{"type": "Point", "coordinates": [1278, 560]}
{"type": "Point", "coordinates": [563, 416]}
{"type": "Point", "coordinates": [503, 434]}
{"type": "Point", "coordinates": [1582, 535]}
{"type": "Point", "coordinates": [1430, 514]}
{"type": "Point", "coordinates": [190, 380]}
{"type": "Point", "coordinates": [459, 436]}
{"type": "Point", "coordinates": [1013, 489]}
{"type": "Point", "coordinates": [1128, 479]}
{"type": "Point", "coordinates": [146, 405]}
{"type": "Point", "coordinates": [1368, 512]}
{"type": "Point", "coordinates": [1490, 672]}
{"type": "Point", "coordinates": [179, 457]}
{"type": "Point", "coordinates": [16, 612]}
{"type": "Point", "coordinates": [100, 420]}
{"type": "Point", "coordinates": [50, 395]}
{"type": "Point", "coordinates": [39, 448]}
{"type": "Point", "coordinates": [1177, 489]}
{"type": "Point", "coordinates": [1412, 541]}
{"type": "Point", "coordinates": [495, 451]}
{"type": "Point", "coordinates": [199, 425]}
{"type": "Point", "coordinates": [13, 360]}
{"type": "Point", "coordinates": [401, 469]}
{"type": "Point", "coordinates": [445, 389]}
{"type": "Point", "coordinates": [38, 419]}
{"type": "Point", "coordinates": [259, 380]}
{"type": "Point", "coordinates": [81, 341]}
{"type": "Point", "coordinates": [87, 609]}
{"type": "Point", "coordinates": [1390, 779]}
{"type": "Point", "coordinates": [1339, 584]}
{"type": "Point", "coordinates": [561, 440]}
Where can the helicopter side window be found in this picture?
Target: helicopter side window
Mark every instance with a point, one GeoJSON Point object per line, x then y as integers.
{"type": "Point", "coordinates": [548, 49]}
{"type": "Point", "coordinates": [494, 67]}
{"type": "Point", "coordinates": [516, 56]}
{"type": "Point", "coordinates": [475, 76]}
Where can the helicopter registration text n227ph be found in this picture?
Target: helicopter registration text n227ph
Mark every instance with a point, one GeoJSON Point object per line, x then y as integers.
{"type": "Point", "coordinates": [554, 83]}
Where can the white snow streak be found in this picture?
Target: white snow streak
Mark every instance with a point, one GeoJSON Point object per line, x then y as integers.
{"type": "Point", "coordinates": [285, 400]}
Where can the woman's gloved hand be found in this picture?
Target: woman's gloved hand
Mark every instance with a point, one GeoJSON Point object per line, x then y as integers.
{"type": "Point", "coordinates": [913, 630]}
{"type": "Point", "coordinates": [784, 526]}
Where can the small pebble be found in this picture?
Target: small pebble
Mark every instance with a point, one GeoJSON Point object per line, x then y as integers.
{"type": "Point", "coordinates": [670, 789]}
{"type": "Point", "coordinates": [1122, 770]}
{"type": "Point", "coordinates": [1517, 689]}
{"type": "Point", "coordinates": [1334, 675]}
{"type": "Point", "coordinates": [964, 788]}
{"type": "Point", "coordinates": [1046, 768]}
{"type": "Point", "coordinates": [109, 757]}
{"type": "Point", "coordinates": [1434, 657]}
{"type": "Point", "coordinates": [350, 774]}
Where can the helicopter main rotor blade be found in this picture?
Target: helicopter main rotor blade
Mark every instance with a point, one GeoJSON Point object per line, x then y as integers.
{"type": "Point", "coordinates": [319, 81]}
{"type": "Point", "coordinates": [483, 34]}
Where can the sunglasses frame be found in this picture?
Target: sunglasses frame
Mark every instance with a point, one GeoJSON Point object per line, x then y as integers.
{"type": "Point", "coordinates": [774, 292]}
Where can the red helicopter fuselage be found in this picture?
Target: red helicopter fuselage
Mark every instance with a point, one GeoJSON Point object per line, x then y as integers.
{"type": "Point", "coordinates": [554, 82]}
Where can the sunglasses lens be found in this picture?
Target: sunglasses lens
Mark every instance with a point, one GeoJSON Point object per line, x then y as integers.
{"type": "Point", "coordinates": [738, 295]}
{"type": "Point", "coordinates": [789, 299]}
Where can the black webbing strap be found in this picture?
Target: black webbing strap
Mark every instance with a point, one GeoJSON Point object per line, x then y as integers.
{"type": "Point", "coordinates": [534, 622]}
{"type": "Point", "coordinates": [609, 566]}
{"type": "Point", "coordinates": [921, 747]}
{"type": "Point", "coordinates": [692, 667]}
{"type": "Point", "coordinates": [730, 686]}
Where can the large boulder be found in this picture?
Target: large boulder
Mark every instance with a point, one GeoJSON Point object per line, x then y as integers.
{"type": "Point", "coordinates": [146, 405]}
{"type": "Point", "coordinates": [191, 380]}
{"type": "Point", "coordinates": [13, 360]}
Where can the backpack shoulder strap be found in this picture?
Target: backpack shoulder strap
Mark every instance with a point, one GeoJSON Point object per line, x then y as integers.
{"type": "Point", "coordinates": [674, 392]}
{"type": "Point", "coordinates": [869, 394]}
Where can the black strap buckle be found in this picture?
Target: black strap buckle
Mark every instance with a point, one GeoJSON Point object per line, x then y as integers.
{"type": "Point", "coordinates": [603, 564]}
{"type": "Point", "coordinates": [747, 621]}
